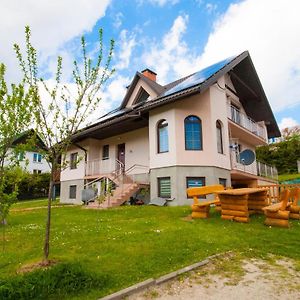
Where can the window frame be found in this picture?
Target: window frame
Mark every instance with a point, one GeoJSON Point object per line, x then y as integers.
{"type": "Point", "coordinates": [224, 181]}
{"type": "Point", "coordinates": [187, 121]}
{"type": "Point", "coordinates": [71, 196]}
{"type": "Point", "coordinates": [73, 162]}
{"type": "Point", "coordinates": [200, 178]}
{"type": "Point", "coordinates": [160, 125]}
{"type": "Point", "coordinates": [105, 148]}
{"type": "Point", "coordinates": [219, 137]}
{"type": "Point", "coordinates": [141, 93]}
{"type": "Point", "coordinates": [159, 179]}
{"type": "Point", "coordinates": [37, 157]}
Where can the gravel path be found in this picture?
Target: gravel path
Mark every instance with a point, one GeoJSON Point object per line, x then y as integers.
{"type": "Point", "coordinates": [232, 279]}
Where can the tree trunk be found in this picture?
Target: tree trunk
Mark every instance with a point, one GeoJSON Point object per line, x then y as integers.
{"type": "Point", "coordinates": [48, 221]}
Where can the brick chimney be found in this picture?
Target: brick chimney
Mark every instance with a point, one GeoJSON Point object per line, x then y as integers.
{"type": "Point", "coordinates": [149, 74]}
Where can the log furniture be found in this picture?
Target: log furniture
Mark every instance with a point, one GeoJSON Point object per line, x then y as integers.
{"type": "Point", "coordinates": [238, 204]}
{"type": "Point", "coordinates": [294, 207]}
{"type": "Point", "coordinates": [277, 214]}
{"type": "Point", "coordinates": [200, 210]}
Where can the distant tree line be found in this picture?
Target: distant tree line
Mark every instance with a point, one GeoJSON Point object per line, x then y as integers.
{"type": "Point", "coordinates": [283, 155]}
{"type": "Point", "coordinates": [30, 186]}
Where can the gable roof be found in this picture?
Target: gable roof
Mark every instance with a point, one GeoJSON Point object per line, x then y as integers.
{"type": "Point", "coordinates": [243, 76]}
{"type": "Point", "coordinates": [24, 136]}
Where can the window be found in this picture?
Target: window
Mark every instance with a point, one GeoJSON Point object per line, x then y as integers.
{"type": "Point", "coordinates": [195, 182]}
{"type": "Point", "coordinates": [37, 157]}
{"type": "Point", "coordinates": [223, 181]}
{"type": "Point", "coordinates": [105, 152]}
{"type": "Point", "coordinates": [35, 171]}
{"type": "Point", "coordinates": [162, 134]}
{"type": "Point", "coordinates": [142, 96]}
{"type": "Point", "coordinates": [164, 187]}
{"type": "Point", "coordinates": [72, 192]}
{"type": "Point", "coordinates": [193, 133]}
{"type": "Point", "coordinates": [219, 137]}
{"type": "Point", "coordinates": [73, 160]}
{"type": "Point", "coordinates": [235, 114]}
{"type": "Point", "coordinates": [21, 156]}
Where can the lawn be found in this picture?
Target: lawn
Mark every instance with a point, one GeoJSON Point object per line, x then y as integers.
{"type": "Point", "coordinates": [130, 244]}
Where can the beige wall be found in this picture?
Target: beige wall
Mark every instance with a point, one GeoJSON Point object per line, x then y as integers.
{"type": "Point", "coordinates": [209, 107]}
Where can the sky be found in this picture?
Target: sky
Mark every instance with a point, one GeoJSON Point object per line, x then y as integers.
{"type": "Point", "coordinates": [174, 38]}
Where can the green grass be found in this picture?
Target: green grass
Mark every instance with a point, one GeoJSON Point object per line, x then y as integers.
{"type": "Point", "coordinates": [284, 177]}
{"type": "Point", "coordinates": [34, 203]}
{"type": "Point", "coordinates": [127, 245]}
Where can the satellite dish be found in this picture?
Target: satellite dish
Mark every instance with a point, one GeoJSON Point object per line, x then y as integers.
{"type": "Point", "coordinates": [247, 157]}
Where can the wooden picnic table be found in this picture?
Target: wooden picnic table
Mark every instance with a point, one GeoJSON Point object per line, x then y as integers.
{"type": "Point", "coordinates": [238, 204]}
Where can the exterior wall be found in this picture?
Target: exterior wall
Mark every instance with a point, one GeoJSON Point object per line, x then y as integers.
{"type": "Point", "coordinates": [73, 174]}
{"type": "Point", "coordinates": [65, 189]}
{"type": "Point", "coordinates": [30, 165]}
{"type": "Point", "coordinates": [178, 176]}
{"type": "Point", "coordinates": [145, 86]}
{"type": "Point", "coordinates": [209, 107]}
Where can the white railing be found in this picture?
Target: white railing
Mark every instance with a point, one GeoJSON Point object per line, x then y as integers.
{"type": "Point", "coordinates": [256, 168]}
{"type": "Point", "coordinates": [100, 166]}
{"type": "Point", "coordinates": [246, 122]}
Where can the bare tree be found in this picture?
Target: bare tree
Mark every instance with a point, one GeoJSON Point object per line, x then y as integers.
{"type": "Point", "coordinates": [68, 106]}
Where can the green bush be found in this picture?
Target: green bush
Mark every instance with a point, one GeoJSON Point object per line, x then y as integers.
{"type": "Point", "coordinates": [59, 281]}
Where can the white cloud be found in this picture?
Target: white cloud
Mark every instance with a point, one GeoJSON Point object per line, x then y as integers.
{"type": "Point", "coordinates": [269, 30]}
{"type": "Point", "coordinates": [171, 58]}
{"type": "Point", "coordinates": [287, 123]}
{"type": "Point", "coordinates": [126, 45]}
{"type": "Point", "coordinates": [210, 7]}
{"type": "Point", "coordinates": [159, 2]}
{"type": "Point", "coordinates": [53, 23]}
{"type": "Point", "coordinates": [118, 19]}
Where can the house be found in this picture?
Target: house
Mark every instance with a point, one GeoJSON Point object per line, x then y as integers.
{"type": "Point", "coordinates": [29, 158]}
{"type": "Point", "coordinates": [187, 133]}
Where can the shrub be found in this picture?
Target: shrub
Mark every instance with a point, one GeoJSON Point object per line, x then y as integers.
{"type": "Point", "coordinates": [59, 281]}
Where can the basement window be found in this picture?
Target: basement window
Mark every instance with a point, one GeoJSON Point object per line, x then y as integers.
{"type": "Point", "coordinates": [164, 187]}
{"type": "Point", "coordinates": [72, 192]}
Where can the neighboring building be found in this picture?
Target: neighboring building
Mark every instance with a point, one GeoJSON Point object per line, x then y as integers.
{"type": "Point", "coordinates": [30, 160]}
{"type": "Point", "coordinates": [186, 133]}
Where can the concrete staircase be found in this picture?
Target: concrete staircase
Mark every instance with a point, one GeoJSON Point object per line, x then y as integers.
{"type": "Point", "coordinates": [119, 196]}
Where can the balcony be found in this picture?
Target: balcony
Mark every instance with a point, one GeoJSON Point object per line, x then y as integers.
{"type": "Point", "coordinates": [257, 168]}
{"type": "Point", "coordinates": [99, 167]}
{"type": "Point", "coordinates": [242, 120]}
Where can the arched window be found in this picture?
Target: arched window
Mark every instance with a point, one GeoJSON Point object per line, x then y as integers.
{"type": "Point", "coordinates": [193, 133]}
{"type": "Point", "coordinates": [219, 137]}
{"type": "Point", "coordinates": [162, 136]}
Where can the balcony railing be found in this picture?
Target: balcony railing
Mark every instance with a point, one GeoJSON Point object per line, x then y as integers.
{"type": "Point", "coordinates": [246, 122]}
{"type": "Point", "coordinates": [256, 168]}
{"type": "Point", "coordinates": [100, 167]}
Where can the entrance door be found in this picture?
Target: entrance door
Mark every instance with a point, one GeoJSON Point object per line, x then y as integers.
{"type": "Point", "coordinates": [121, 155]}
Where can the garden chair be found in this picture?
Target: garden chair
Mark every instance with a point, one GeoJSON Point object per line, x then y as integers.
{"type": "Point", "coordinates": [294, 207]}
{"type": "Point", "coordinates": [277, 214]}
{"type": "Point", "coordinates": [200, 209]}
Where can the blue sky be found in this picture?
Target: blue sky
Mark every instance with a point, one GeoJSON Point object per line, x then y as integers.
{"type": "Point", "coordinates": [172, 37]}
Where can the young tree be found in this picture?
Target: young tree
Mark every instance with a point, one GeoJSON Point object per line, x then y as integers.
{"type": "Point", "coordinates": [15, 117]}
{"type": "Point", "coordinates": [58, 118]}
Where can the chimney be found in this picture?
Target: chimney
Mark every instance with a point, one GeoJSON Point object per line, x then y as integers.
{"type": "Point", "coordinates": [149, 74]}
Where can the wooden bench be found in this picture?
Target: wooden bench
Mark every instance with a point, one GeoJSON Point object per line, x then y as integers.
{"type": "Point", "coordinates": [278, 214]}
{"type": "Point", "coordinates": [200, 210]}
{"type": "Point", "coordinates": [294, 207]}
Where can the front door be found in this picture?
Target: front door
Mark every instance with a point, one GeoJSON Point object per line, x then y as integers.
{"type": "Point", "coordinates": [121, 155]}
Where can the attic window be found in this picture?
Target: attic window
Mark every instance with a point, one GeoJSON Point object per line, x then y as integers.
{"type": "Point", "coordinates": [142, 96]}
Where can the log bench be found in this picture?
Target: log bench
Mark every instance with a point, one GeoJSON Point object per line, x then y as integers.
{"type": "Point", "coordinates": [294, 208]}
{"type": "Point", "coordinates": [200, 210]}
{"type": "Point", "coordinates": [277, 214]}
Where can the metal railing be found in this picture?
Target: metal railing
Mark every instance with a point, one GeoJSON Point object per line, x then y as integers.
{"type": "Point", "coordinates": [256, 168]}
{"type": "Point", "coordinates": [246, 122]}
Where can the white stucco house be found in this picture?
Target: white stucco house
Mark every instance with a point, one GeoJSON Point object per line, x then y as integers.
{"type": "Point", "coordinates": [31, 159]}
{"type": "Point", "coordinates": [189, 132]}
